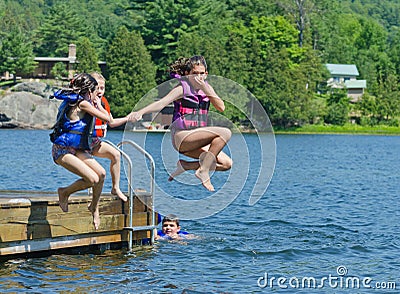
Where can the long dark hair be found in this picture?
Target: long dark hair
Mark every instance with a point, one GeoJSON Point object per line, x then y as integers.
{"type": "Point", "coordinates": [82, 83]}
{"type": "Point", "coordinates": [77, 89]}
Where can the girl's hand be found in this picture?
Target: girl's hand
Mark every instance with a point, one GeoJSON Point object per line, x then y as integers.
{"type": "Point", "coordinates": [134, 116]}
{"type": "Point", "coordinates": [97, 102]}
{"type": "Point", "coordinates": [200, 80]}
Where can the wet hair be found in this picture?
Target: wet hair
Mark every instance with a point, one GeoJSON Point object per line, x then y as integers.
{"type": "Point", "coordinates": [82, 84]}
{"type": "Point", "coordinates": [171, 218]}
{"type": "Point", "coordinates": [184, 65]}
{"type": "Point", "coordinates": [77, 89]}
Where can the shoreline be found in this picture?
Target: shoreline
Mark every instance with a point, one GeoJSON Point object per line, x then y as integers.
{"type": "Point", "coordinates": [348, 129]}
{"type": "Point", "coordinates": [306, 130]}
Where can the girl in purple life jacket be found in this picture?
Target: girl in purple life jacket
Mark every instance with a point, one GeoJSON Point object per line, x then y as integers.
{"type": "Point", "coordinates": [189, 131]}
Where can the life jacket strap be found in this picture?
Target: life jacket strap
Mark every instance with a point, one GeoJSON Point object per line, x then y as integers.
{"type": "Point", "coordinates": [75, 132]}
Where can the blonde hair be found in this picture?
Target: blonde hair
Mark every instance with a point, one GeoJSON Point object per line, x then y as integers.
{"type": "Point", "coordinates": [98, 76]}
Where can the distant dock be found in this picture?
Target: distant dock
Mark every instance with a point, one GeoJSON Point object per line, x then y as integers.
{"type": "Point", "coordinates": [33, 222]}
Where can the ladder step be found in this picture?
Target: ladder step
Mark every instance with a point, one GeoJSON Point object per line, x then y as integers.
{"type": "Point", "coordinates": [140, 228]}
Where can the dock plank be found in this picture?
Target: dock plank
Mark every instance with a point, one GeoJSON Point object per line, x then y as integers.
{"type": "Point", "coordinates": [33, 221]}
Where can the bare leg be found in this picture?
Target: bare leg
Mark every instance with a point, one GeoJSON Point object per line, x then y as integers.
{"type": "Point", "coordinates": [97, 189]}
{"type": "Point", "coordinates": [94, 210]}
{"type": "Point", "coordinates": [207, 163]}
{"type": "Point", "coordinates": [115, 169]}
{"type": "Point", "coordinates": [78, 167]}
{"type": "Point", "coordinates": [105, 150]}
{"type": "Point", "coordinates": [208, 141]}
{"type": "Point", "coordinates": [63, 199]}
{"type": "Point", "coordinates": [94, 206]}
{"type": "Point", "coordinates": [65, 192]}
{"type": "Point", "coordinates": [182, 166]}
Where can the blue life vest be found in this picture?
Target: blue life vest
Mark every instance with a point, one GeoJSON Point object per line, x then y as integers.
{"type": "Point", "coordinates": [192, 110]}
{"type": "Point", "coordinates": [181, 234]}
{"type": "Point", "coordinates": [76, 134]}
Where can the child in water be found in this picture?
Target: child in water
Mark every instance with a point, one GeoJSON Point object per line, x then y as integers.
{"type": "Point", "coordinates": [171, 229]}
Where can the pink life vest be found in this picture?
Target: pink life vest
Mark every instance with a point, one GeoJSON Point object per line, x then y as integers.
{"type": "Point", "coordinates": [191, 111]}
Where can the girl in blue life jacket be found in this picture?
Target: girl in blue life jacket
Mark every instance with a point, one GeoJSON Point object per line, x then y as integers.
{"type": "Point", "coordinates": [72, 136]}
{"type": "Point", "coordinates": [189, 131]}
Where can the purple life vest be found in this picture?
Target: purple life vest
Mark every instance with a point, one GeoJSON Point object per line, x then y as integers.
{"type": "Point", "coordinates": [192, 110]}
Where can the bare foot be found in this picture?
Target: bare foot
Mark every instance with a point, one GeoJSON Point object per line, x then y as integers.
{"type": "Point", "coordinates": [179, 169]}
{"type": "Point", "coordinates": [119, 193]}
{"type": "Point", "coordinates": [205, 180]}
{"type": "Point", "coordinates": [96, 216]}
{"type": "Point", "coordinates": [63, 199]}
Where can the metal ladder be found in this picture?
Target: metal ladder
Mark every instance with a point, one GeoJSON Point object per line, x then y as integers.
{"type": "Point", "coordinates": [130, 227]}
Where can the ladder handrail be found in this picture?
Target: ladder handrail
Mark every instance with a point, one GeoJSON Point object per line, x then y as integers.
{"type": "Point", "coordinates": [130, 194]}
{"type": "Point", "coordinates": [146, 154]}
{"type": "Point", "coordinates": [126, 156]}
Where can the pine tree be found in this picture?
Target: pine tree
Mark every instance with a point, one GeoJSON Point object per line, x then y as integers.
{"type": "Point", "coordinates": [61, 28]}
{"type": "Point", "coordinates": [131, 73]}
{"type": "Point", "coordinates": [86, 56]}
{"type": "Point", "coordinates": [16, 54]}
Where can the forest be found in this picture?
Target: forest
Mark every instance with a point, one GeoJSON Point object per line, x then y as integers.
{"type": "Point", "coordinates": [276, 49]}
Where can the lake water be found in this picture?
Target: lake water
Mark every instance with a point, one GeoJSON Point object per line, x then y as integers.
{"type": "Point", "coordinates": [329, 219]}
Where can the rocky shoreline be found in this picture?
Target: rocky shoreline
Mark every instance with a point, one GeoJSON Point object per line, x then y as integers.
{"type": "Point", "coordinates": [27, 106]}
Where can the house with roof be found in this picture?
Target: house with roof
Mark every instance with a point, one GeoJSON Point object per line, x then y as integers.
{"type": "Point", "coordinates": [44, 65]}
{"type": "Point", "coordinates": [345, 76]}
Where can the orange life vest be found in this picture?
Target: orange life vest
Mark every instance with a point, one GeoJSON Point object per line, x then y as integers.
{"type": "Point", "coordinates": [101, 126]}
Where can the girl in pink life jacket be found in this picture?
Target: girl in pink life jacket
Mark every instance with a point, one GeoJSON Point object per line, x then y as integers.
{"type": "Point", "coordinates": [189, 131]}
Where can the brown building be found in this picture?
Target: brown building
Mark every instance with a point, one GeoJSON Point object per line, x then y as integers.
{"type": "Point", "coordinates": [46, 64]}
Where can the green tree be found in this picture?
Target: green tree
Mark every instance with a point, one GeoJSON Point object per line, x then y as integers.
{"type": "Point", "coordinates": [367, 108]}
{"type": "Point", "coordinates": [131, 73]}
{"type": "Point", "coordinates": [275, 69]}
{"type": "Point", "coordinates": [15, 16]}
{"type": "Point", "coordinates": [167, 21]}
{"type": "Point", "coordinates": [59, 71]}
{"type": "Point", "coordinates": [86, 56]}
{"type": "Point", "coordinates": [336, 37]}
{"type": "Point", "coordinates": [16, 54]}
{"type": "Point", "coordinates": [338, 107]}
{"type": "Point", "coordinates": [299, 11]}
{"type": "Point", "coordinates": [394, 50]}
{"type": "Point", "coordinates": [60, 28]}
{"type": "Point", "coordinates": [388, 102]}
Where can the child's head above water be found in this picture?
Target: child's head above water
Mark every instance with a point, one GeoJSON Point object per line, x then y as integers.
{"type": "Point", "coordinates": [170, 225]}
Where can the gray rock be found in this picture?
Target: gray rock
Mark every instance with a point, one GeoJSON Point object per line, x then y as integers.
{"type": "Point", "coordinates": [42, 89]}
{"type": "Point", "coordinates": [24, 109]}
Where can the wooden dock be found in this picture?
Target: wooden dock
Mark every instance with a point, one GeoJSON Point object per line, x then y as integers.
{"type": "Point", "coordinates": [32, 221]}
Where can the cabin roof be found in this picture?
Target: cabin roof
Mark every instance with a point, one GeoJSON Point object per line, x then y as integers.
{"type": "Point", "coordinates": [353, 84]}
{"type": "Point", "coordinates": [342, 69]}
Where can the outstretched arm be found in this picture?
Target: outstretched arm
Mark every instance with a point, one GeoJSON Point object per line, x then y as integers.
{"type": "Point", "coordinates": [175, 94]}
{"type": "Point", "coordinates": [116, 122]}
